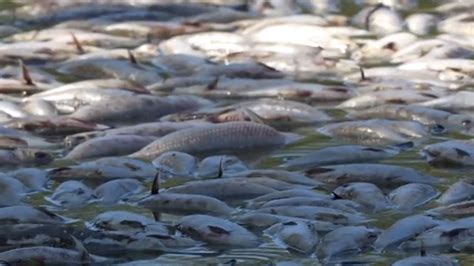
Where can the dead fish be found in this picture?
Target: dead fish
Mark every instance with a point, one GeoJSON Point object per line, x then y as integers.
{"type": "Point", "coordinates": [423, 115]}
{"type": "Point", "coordinates": [84, 92]}
{"type": "Point", "coordinates": [390, 96]}
{"type": "Point", "coordinates": [223, 189]}
{"type": "Point", "coordinates": [452, 102]}
{"type": "Point", "coordinates": [126, 221]}
{"type": "Point", "coordinates": [413, 195]}
{"type": "Point", "coordinates": [278, 175]}
{"type": "Point", "coordinates": [346, 241]}
{"type": "Point", "coordinates": [38, 107]}
{"type": "Point", "coordinates": [296, 236]}
{"type": "Point", "coordinates": [49, 255]}
{"type": "Point", "coordinates": [21, 235]}
{"type": "Point", "coordinates": [422, 23]}
{"type": "Point", "coordinates": [257, 202]}
{"type": "Point", "coordinates": [378, 131]}
{"type": "Point", "coordinates": [382, 175]}
{"type": "Point", "coordinates": [382, 49]}
{"type": "Point", "coordinates": [317, 213]}
{"type": "Point", "coordinates": [11, 191]}
{"type": "Point", "coordinates": [51, 125]}
{"type": "Point", "coordinates": [450, 153]}
{"type": "Point", "coordinates": [216, 231]}
{"type": "Point", "coordinates": [455, 209]}
{"type": "Point", "coordinates": [33, 178]}
{"type": "Point", "coordinates": [136, 108]}
{"type": "Point", "coordinates": [460, 191]}
{"type": "Point", "coordinates": [265, 220]}
{"type": "Point", "coordinates": [71, 194]}
{"type": "Point", "coordinates": [105, 169]}
{"type": "Point", "coordinates": [24, 156]}
{"type": "Point", "coordinates": [288, 90]}
{"type": "Point", "coordinates": [29, 215]}
{"type": "Point", "coordinates": [343, 205]}
{"type": "Point", "coordinates": [342, 154]}
{"type": "Point", "coordinates": [427, 260]}
{"type": "Point", "coordinates": [442, 236]}
{"type": "Point", "coordinates": [402, 230]}
{"type": "Point", "coordinates": [113, 145]}
{"type": "Point", "coordinates": [379, 19]}
{"type": "Point", "coordinates": [176, 164]}
{"type": "Point", "coordinates": [116, 190]}
{"type": "Point", "coordinates": [59, 35]}
{"type": "Point", "coordinates": [366, 194]}
{"type": "Point", "coordinates": [182, 203]}
{"type": "Point", "coordinates": [226, 136]}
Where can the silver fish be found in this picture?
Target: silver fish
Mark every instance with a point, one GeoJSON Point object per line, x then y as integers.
{"type": "Point", "coordinates": [460, 191]}
{"type": "Point", "coordinates": [347, 240]}
{"type": "Point", "coordinates": [366, 194]}
{"type": "Point", "coordinates": [339, 155]}
{"type": "Point", "coordinates": [216, 231]}
{"type": "Point", "coordinates": [410, 196]}
{"type": "Point", "coordinates": [450, 153]}
{"type": "Point", "coordinates": [217, 137]}
{"type": "Point", "coordinates": [71, 194]}
{"type": "Point", "coordinates": [296, 236]}
{"type": "Point", "coordinates": [382, 175]}
{"type": "Point", "coordinates": [116, 190]}
{"type": "Point", "coordinates": [402, 230]}
{"type": "Point", "coordinates": [126, 221]}
{"type": "Point", "coordinates": [113, 145]}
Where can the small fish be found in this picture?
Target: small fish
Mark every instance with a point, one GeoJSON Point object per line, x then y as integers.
{"type": "Point", "coordinates": [122, 221]}
{"type": "Point", "coordinates": [347, 240]}
{"type": "Point", "coordinates": [339, 155]}
{"type": "Point", "coordinates": [413, 195]}
{"type": "Point", "coordinates": [460, 191]}
{"type": "Point", "coordinates": [71, 194]}
{"type": "Point", "coordinates": [296, 236]}
{"type": "Point", "coordinates": [366, 194]}
{"type": "Point", "coordinates": [224, 189]}
{"type": "Point", "coordinates": [176, 164]}
{"type": "Point", "coordinates": [182, 203]}
{"type": "Point", "coordinates": [216, 231]}
{"type": "Point", "coordinates": [402, 230]}
{"type": "Point", "coordinates": [382, 175]}
{"type": "Point", "coordinates": [116, 190]}
{"type": "Point", "coordinates": [450, 153]}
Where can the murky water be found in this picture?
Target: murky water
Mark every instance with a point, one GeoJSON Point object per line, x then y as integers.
{"type": "Point", "coordinates": [270, 253]}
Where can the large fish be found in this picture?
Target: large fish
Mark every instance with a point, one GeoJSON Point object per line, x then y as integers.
{"type": "Point", "coordinates": [219, 137]}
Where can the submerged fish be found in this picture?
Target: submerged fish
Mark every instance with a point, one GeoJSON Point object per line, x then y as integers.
{"type": "Point", "coordinates": [216, 231]}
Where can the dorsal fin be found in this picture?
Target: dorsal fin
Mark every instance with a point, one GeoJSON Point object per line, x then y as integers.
{"type": "Point", "coordinates": [213, 84]}
{"type": "Point", "coordinates": [83, 253]}
{"type": "Point", "coordinates": [131, 58]}
{"type": "Point", "coordinates": [155, 187]}
{"type": "Point", "coordinates": [220, 173]}
{"type": "Point", "coordinates": [77, 44]}
{"type": "Point", "coordinates": [422, 249]}
{"type": "Point", "coordinates": [25, 73]}
{"type": "Point", "coordinates": [362, 74]}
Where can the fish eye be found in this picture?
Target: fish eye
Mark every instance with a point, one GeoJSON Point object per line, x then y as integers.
{"type": "Point", "coordinates": [466, 123]}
